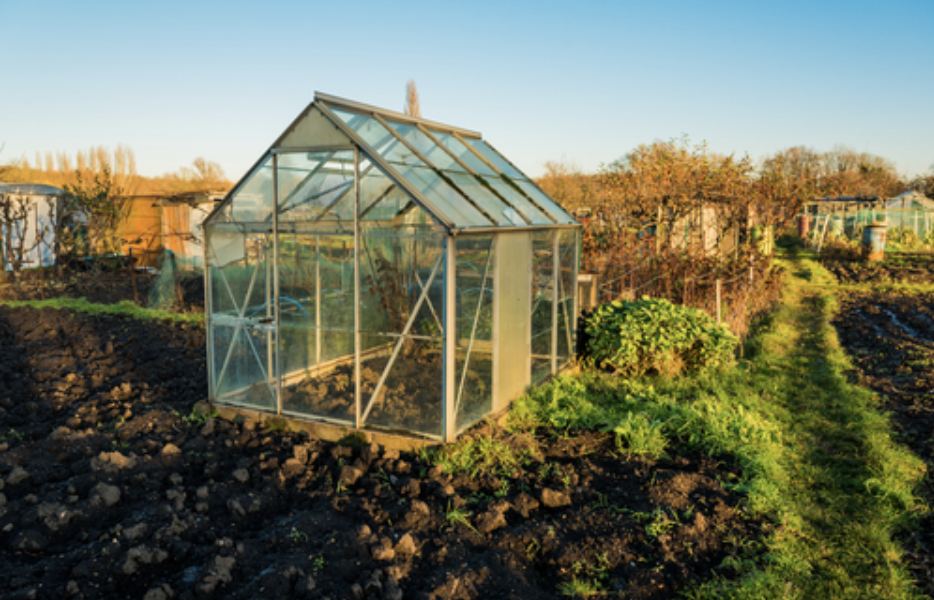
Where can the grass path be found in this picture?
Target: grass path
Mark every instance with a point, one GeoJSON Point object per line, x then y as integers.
{"type": "Point", "coordinates": [845, 487]}
{"type": "Point", "coordinates": [818, 457]}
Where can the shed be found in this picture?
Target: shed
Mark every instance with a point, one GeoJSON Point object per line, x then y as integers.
{"type": "Point", "coordinates": [182, 216]}
{"type": "Point", "coordinates": [27, 229]}
{"type": "Point", "coordinates": [383, 272]}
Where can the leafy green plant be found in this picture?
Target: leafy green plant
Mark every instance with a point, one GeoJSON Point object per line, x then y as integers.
{"type": "Point", "coordinates": [199, 417]}
{"type": "Point", "coordinates": [12, 433]}
{"type": "Point", "coordinates": [588, 578]}
{"type": "Point", "coordinates": [317, 564]}
{"type": "Point", "coordinates": [904, 239]}
{"type": "Point", "coordinates": [579, 588]}
{"type": "Point", "coordinates": [655, 336]}
{"type": "Point", "coordinates": [459, 516]}
{"type": "Point", "coordinates": [298, 536]}
{"type": "Point", "coordinates": [638, 434]}
{"type": "Point", "coordinates": [660, 524]}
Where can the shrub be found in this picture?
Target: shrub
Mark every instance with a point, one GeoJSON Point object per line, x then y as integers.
{"type": "Point", "coordinates": [654, 336]}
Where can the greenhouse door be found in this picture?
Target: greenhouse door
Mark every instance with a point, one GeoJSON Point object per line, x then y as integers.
{"type": "Point", "coordinates": [242, 324]}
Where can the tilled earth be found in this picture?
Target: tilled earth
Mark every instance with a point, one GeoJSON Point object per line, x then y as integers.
{"type": "Point", "coordinates": [109, 287]}
{"type": "Point", "coordinates": [890, 337]}
{"type": "Point", "coordinates": [897, 267]}
{"type": "Point", "coordinates": [113, 486]}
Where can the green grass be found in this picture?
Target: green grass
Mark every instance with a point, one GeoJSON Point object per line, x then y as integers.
{"type": "Point", "coordinates": [482, 455]}
{"type": "Point", "coordinates": [848, 486]}
{"type": "Point", "coordinates": [121, 309]}
{"type": "Point", "coordinates": [818, 457]}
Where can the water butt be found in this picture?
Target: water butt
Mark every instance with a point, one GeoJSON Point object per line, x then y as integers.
{"type": "Point", "coordinates": [874, 241]}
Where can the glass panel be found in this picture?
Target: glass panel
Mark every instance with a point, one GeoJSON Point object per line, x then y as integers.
{"type": "Point", "coordinates": [435, 155]}
{"type": "Point", "coordinates": [464, 153]}
{"type": "Point", "coordinates": [498, 161]}
{"type": "Point", "coordinates": [428, 182]}
{"type": "Point", "coordinates": [518, 200]}
{"type": "Point", "coordinates": [223, 215]}
{"type": "Point", "coordinates": [504, 215]}
{"type": "Point", "coordinates": [310, 182]}
{"type": "Point", "coordinates": [336, 255]}
{"type": "Point", "coordinates": [443, 196]}
{"type": "Point", "coordinates": [542, 303]}
{"type": "Point", "coordinates": [473, 379]}
{"type": "Point", "coordinates": [297, 309]}
{"type": "Point", "coordinates": [397, 266]}
{"type": "Point", "coordinates": [545, 202]}
{"type": "Point", "coordinates": [379, 138]}
{"type": "Point", "coordinates": [382, 200]}
{"type": "Point", "coordinates": [316, 315]}
{"type": "Point", "coordinates": [242, 330]}
{"type": "Point", "coordinates": [252, 202]}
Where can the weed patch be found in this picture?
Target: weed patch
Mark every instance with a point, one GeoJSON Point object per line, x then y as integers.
{"type": "Point", "coordinates": [124, 308]}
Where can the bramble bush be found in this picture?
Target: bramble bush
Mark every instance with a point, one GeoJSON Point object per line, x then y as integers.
{"type": "Point", "coordinates": [654, 336]}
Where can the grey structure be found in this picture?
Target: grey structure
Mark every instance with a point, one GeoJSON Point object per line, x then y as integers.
{"type": "Point", "coordinates": [32, 231]}
{"type": "Point", "coordinates": [375, 270]}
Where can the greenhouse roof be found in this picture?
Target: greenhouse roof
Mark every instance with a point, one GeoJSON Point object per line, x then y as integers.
{"type": "Point", "coordinates": [452, 173]}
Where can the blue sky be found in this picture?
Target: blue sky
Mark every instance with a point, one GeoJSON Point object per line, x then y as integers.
{"type": "Point", "coordinates": [581, 81]}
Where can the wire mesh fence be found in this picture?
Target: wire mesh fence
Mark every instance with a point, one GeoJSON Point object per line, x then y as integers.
{"type": "Point", "coordinates": [732, 288]}
{"type": "Point", "coordinates": [908, 228]}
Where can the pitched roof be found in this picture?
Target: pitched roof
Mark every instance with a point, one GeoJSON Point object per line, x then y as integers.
{"type": "Point", "coordinates": [452, 173]}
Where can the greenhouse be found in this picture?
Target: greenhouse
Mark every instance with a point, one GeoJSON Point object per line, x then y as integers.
{"type": "Point", "coordinates": [383, 272]}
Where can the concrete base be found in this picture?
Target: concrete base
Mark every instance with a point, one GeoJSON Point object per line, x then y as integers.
{"type": "Point", "coordinates": [317, 429]}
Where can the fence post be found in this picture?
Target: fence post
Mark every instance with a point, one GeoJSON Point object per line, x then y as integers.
{"type": "Point", "coordinates": [719, 316]}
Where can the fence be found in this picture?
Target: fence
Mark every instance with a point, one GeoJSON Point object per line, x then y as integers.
{"type": "Point", "coordinates": [816, 228]}
{"type": "Point", "coordinates": [732, 296]}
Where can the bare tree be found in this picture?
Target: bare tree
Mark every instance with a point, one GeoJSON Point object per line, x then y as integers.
{"type": "Point", "coordinates": [202, 176]}
{"type": "Point", "coordinates": [102, 206]}
{"type": "Point", "coordinates": [412, 107]}
{"type": "Point", "coordinates": [14, 223]}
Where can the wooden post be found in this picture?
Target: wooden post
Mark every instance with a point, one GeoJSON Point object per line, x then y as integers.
{"type": "Point", "coordinates": [719, 315]}
{"type": "Point", "coordinates": [133, 279]}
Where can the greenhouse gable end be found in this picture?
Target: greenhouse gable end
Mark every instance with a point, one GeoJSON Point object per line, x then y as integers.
{"type": "Point", "coordinates": [379, 271]}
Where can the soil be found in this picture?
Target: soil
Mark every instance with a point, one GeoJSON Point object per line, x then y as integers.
{"type": "Point", "coordinates": [895, 268]}
{"type": "Point", "coordinates": [410, 398]}
{"type": "Point", "coordinates": [890, 337]}
{"type": "Point", "coordinates": [112, 486]}
{"type": "Point", "coordinates": [105, 287]}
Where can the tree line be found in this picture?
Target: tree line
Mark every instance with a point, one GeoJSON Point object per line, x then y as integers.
{"type": "Point", "coordinates": [679, 169]}
{"type": "Point", "coordinates": [674, 220]}
{"type": "Point", "coordinates": [62, 169]}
